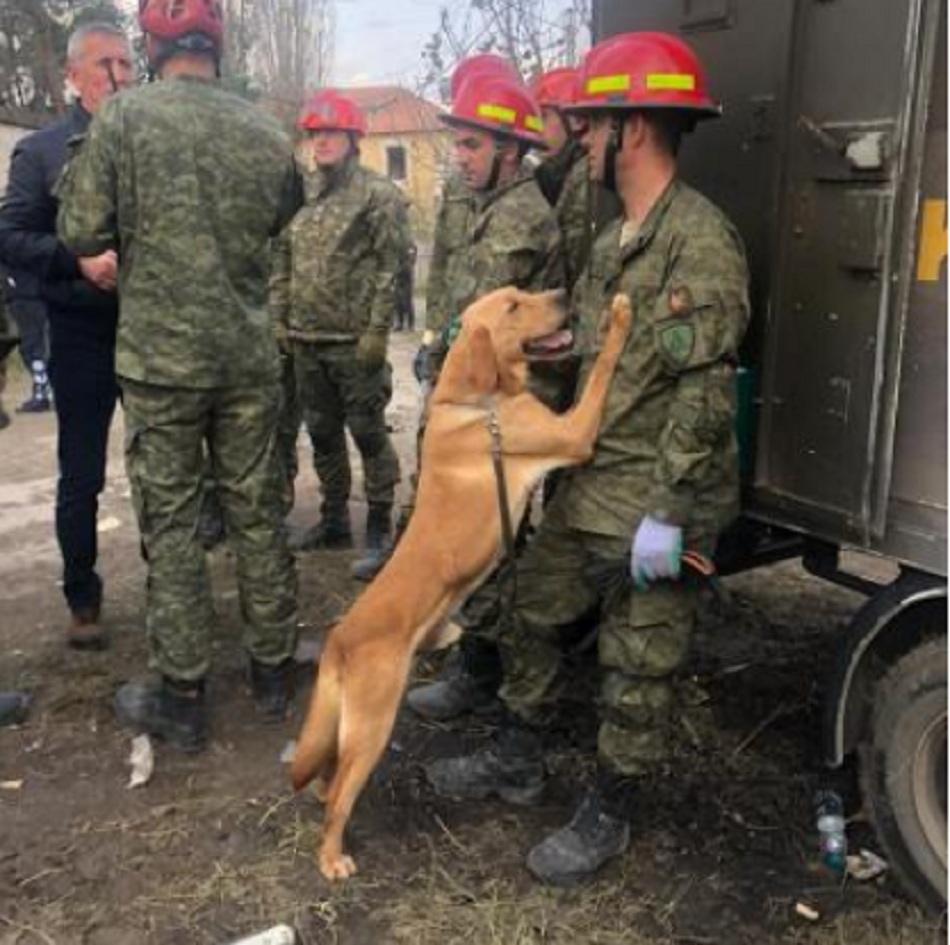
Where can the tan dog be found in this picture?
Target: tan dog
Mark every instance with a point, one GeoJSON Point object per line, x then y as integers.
{"type": "Point", "coordinates": [454, 538]}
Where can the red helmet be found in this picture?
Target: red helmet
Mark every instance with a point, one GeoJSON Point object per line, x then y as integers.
{"type": "Point", "coordinates": [328, 110]}
{"type": "Point", "coordinates": [171, 20]}
{"type": "Point", "coordinates": [499, 106]}
{"type": "Point", "coordinates": [484, 64]}
{"type": "Point", "coordinates": [644, 70]}
{"type": "Point", "coordinates": [557, 88]}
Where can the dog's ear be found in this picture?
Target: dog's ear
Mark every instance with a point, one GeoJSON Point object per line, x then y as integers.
{"type": "Point", "coordinates": [482, 363]}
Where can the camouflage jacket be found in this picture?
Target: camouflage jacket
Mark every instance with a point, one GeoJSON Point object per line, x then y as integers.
{"type": "Point", "coordinates": [190, 183]}
{"type": "Point", "coordinates": [339, 265]}
{"type": "Point", "coordinates": [511, 238]}
{"type": "Point", "coordinates": [667, 444]}
{"type": "Point", "coordinates": [451, 229]}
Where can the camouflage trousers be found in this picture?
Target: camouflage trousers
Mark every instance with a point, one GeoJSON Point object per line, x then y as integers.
{"type": "Point", "coordinates": [336, 395]}
{"type": "Point", "coordinates": [643, 638]}
{"type": "Point", "coordinates": [171, 436]}
{"type": "Point", "coordinates": [288, 427]}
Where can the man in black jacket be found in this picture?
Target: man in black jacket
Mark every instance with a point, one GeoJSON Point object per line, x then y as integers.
{"type": "Point", "coordinates": [82, 308]}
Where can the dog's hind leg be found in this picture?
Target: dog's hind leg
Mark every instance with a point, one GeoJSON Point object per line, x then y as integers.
{"type": "Point", "coordinates": [318, 742]}
{"type": "Point", "coordinates": [370, 701]}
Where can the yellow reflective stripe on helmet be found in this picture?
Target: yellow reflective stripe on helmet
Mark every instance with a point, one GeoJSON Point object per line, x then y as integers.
{"type": "Point", "coordinates": [671, 80]}
{"type": "Point", "coordinates": [608, 83]}
{"type": "Point", "coordinates": [533, 123]}
{"type": "Point", "coordinates": [505, 115]}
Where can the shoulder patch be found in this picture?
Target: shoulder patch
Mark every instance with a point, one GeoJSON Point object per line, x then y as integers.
{"type": "Point", "coordinates": [677, 341]}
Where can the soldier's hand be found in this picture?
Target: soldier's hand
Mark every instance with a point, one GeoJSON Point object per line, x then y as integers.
{"type": "Point", "coordinates": [371, 350]}
{"type": "Point", "coordinates": [655, 555]}
{"type": "Point", "coordinates": [100, 270]}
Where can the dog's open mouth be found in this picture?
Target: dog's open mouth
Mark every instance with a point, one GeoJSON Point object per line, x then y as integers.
{"type": "Point", "coordinates": [558, 344]}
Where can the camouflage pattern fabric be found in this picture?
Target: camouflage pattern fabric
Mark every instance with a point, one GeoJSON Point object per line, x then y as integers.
{"type": "Point", "coordinates": [565, 575]}
{"type": "Point", "coordinates": [288, 428]}
{"type": "Point", "coordinates": [583, 209]}
{"type": "Point", "coordinates": [512, 238]}
{"type": "Point", "coordinates": [667, 443]}
{"type": "Point", "coordinates": [452, 226]}
{"type": "Point", "coordinates": [336, 394]}
{"type": "Point", "coordinates": [189, 183]}
{"type": "Point", "coordinates": [165, 461]}
{"type": "Point", "coordinates": [338, 266]}
{"type": "Point", "coordinates": [666, 448]}
{"type": "Point", "coordinates": [335, 288]}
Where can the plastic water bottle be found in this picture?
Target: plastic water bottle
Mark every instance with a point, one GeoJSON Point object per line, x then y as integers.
{"type": "Point", "coordinates": [833, 842]}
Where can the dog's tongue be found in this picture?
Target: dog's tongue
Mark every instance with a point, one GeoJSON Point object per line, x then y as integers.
{"type": "Point", "coordinates": [558, 342]}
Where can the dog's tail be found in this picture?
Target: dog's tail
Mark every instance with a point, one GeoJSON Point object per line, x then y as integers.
{"type": "Point", "coordinates": [317, 744]}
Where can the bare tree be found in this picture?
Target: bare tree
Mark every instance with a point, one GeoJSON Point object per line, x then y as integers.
{"type": "Point", "coordinates": [291, 46]}
{"type": "Point", "coordinates": [535, 34]}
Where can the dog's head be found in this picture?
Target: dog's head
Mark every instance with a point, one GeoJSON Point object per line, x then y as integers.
{"type": "Point", "coordinates": [502, 332]}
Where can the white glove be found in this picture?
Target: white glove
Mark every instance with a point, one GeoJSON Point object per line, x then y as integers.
{"type": "Point", "coordinates": [655, 555]}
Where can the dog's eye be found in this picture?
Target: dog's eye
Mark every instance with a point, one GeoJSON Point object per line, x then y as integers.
{"type": "Point", "coordinates": [513, 307]}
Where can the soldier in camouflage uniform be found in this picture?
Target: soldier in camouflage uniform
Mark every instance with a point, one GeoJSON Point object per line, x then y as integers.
{"type": "Point", "coordinates": [664, 473]}
{"type": "Point", "coordinates": [190, 183]}
{"type": "Point", "coordinates": [335, 286]}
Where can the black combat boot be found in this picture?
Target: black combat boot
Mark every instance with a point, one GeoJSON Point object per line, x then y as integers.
{"type": "Point", "coordinates": [174, 711]}
{"type": "Point", "coordinates": [379, 542]}
{"type": "Point", "coordinates": [469, 683]}
{"type": "Point", "coordinates": [333, 531]}
{"type": "Point", "coordinates": [41, 399]}
{"type": "Point", "coordinates": [14, 707]}
{"type": "Point", "coordinates": [511, 767]}
{"type": "Point", "coordinates": [273, 689]}
{"type": "Point", "coordinates": [598, 831]}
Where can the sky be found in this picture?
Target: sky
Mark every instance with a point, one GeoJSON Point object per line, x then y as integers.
{"type": "Point", "coordinates": [380, 42]}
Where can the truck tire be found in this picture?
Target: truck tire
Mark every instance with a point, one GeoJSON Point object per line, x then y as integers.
{"type": "Point", "coordinates": [904, 771]}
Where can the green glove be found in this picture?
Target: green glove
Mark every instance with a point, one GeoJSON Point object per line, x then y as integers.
{"type": "Point", "coordinates": [371, 350]}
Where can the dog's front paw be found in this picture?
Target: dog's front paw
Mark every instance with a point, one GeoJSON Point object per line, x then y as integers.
{"type": "Point", "coordinates": [621, 314]}
{"type": "Point", "coordinates": [337, 866]}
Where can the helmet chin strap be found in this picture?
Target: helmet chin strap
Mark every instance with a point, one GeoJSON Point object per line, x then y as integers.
{"type": "Point", "coordinates": [495, 173]}
{"type": "Point", "coordinates": [613, 148]}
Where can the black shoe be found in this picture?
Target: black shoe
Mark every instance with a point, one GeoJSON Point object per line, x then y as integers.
{"type": "Point", "coordinates": [367, 567]}
{"type": "Point", "coordinates": [273, 688]}
{"type": "Point", "coordinates": [457, 693]}
{"type": "Point", "coordinates": [511, 768]}
{"type": "Point", "coordinates": [175, 712]}
{"type": "Point", "coordinates": [38, 402]}
{"type": "Point", "coordinates": [379, 543]}
{"type": "Point", "coordinates": [597, 832]}
{"type": "Point", "coordinates": [14, 707]}
{"type": "Point", "coordinates": [4, 419]}
{"type": "Point", "coordinates": [332, 531]}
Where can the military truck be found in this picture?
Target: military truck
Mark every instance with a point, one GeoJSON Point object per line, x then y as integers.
{"type": "Point", "coordinates": [830, 157]}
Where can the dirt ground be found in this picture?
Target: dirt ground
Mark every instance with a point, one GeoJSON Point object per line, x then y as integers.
{"type": "Point", "coordinates": [217, 847]}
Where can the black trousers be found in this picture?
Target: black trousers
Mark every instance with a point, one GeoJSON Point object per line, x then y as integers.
{"type": "Point", "coordinates": [30, 318]}
{"type": "Point", "coordinates": [85, 393]}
